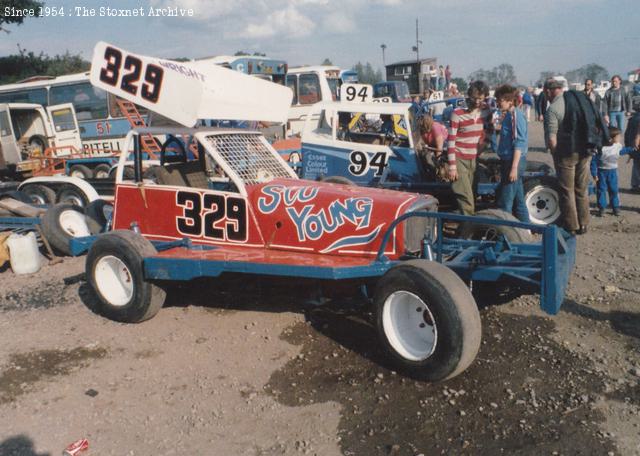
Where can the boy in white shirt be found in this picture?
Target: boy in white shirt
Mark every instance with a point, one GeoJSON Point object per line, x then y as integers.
{"type": "Point", "coordinates": [604, 169]}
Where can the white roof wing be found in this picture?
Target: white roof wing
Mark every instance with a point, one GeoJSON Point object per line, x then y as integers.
{"type": "Point", "coordinates": [187, 91]}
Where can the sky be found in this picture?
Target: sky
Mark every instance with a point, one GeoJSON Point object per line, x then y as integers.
{"type": "Point", "coordinates": [533, 36]}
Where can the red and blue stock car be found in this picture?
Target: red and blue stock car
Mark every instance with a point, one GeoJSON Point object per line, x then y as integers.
{"type": "Point", "coordinates": [236, 207]}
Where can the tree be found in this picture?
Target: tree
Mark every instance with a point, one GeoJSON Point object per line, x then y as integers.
{"type": "Point", "coordinates": [366, 73]}
{"type": "Point", "coordinates": [544, 75]}
{"type": "Point", "coordinates": [591, 71]}
{"type": "Point", "coordinates": [27, 64]}
{"type": "Point", "coordinates": [461, 83]}
{"type": "Point", "coordinates": [501, 74]}
{"type": "Point", "coordinates": [19, 5]}
{"type": "Point", "coordinates": [242, 53]}
{"type": "Point", "coordinates": [326, 62]}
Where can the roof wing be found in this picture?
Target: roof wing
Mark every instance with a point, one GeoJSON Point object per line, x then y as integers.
{"type": "Point", "coordinates": [187, 91]}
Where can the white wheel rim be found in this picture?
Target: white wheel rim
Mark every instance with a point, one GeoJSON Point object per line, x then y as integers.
{"type": "Point", "coordinates": [73, 223]}
{"type": "Point", "coordinates": [409, 326]}
{"type": "Point", "coordinates": [543, 204]}
{"type": "Point", "coordinates": [38, 199]}
{"type": "Point", "coordinates": [78, 174]}
{"type": "Point", "coordinates": [102, 174]}
{"type": "Point", "coordinates": [72, 199]}
{"type": "Point", "coordinates": [114, 280]}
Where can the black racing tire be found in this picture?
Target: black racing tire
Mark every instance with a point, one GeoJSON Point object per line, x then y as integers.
{"type": "Point", "coordinates": [96, 212]}
{"type": "Point", "coordinates": [61, 223]}
{"type": "Point", "coordinates": [80, 171]}
{"type": "Point", "coordinates": [542, 197]}
{"type": "Point", "coordinates": [71, 194]}
{"type": "Point", "coordinates": [478, 231]}
{"type": "Point", "coordinates": [18, 195]}
{"type": "Point", "coordinates": [40, 194]}
{"type": "Point", "coordinates": [38, 141]}
{"type": "Point", "coordinates": [337, 180]}
{"type": "Point", "coordinates": [115, 271]}
{"type": "Point", "coordinates": [101, 171]}
{"type": "Point", "coordinates": [446, 327]}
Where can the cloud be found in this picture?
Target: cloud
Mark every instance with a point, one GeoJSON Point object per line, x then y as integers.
{"type": "Point", "coordinates": [289, 21]}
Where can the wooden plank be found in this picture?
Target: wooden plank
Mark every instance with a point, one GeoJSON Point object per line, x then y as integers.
{"type": "Point", "coordinates": [19, 208]}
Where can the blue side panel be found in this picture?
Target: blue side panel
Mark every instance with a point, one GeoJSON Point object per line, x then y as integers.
{"type": "Point", "coordinates": [188, 269]}
{"type": "Point", "coordinates": [559, 259]}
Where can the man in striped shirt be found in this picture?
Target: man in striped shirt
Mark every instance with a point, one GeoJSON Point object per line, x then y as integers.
{"type": "Point", "coordinates": [466, 137]}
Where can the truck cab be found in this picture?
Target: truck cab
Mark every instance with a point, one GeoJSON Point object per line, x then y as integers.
{"type": "Point", "coordinates": [26, 130]}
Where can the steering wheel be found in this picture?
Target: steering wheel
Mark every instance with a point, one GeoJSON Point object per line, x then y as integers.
{"type": "Point", "coordinates": [182, 152]}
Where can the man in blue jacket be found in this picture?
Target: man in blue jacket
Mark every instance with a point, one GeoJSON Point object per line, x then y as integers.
{"type": "Point", "coordinates": [512, 151]}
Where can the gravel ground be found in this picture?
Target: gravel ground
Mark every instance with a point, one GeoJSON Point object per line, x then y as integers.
{"type": "Point", "coordinates": [254, 373]}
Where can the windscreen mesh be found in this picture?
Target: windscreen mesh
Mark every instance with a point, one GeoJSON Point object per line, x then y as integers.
{"type": "Point", "coordinates": [249, 157]}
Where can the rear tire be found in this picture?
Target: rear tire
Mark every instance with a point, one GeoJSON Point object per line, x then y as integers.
{"type": "Point", "coordinates": [80, 171]}
{"type": "Point", "coordinates": [478, 231]}
{"type": "Point", "coordinates": [40, 194]}
{"type": "Point", "coordinates": [61, 223]}
{"type": "Point", "coordinates": [427, 320]}
{"type": "Point", "coordinates": [115, 271]}
{"type": "Point", "coordinates": [71, 194]}
{"type": "Point", "coordinates": [542, 197]}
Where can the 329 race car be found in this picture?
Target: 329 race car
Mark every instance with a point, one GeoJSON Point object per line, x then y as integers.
{"type": "Point", "coordinates": [233, 206]}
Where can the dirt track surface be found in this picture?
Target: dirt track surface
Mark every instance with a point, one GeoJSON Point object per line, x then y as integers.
{"type": "Point", "coordinates": [257, 373]}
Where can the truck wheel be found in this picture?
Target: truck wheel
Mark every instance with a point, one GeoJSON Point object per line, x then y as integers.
{"type": "Point", "coordinates": [101, 171]}
{"type": "Point", "coordinates": [62, 222]}
{"type": "Point", "coordinates": [72, 195]}
{"type": "Point", "coordinates": [80, 171]}
{"type": "Point", "coordinates": [40, 194]}
{"type": "Point", "coordinates": [98, 212]}
{"type": "Point", "coordinates": [427, 320]}
{"type": "Point", "coordinates": [542, 197]}
{"type": "Point", "coordinates": [115, 271]}
{"type": "Point", "coordinates": [478, 231]}
{"type": "Point", "coordinates": [337, 180]}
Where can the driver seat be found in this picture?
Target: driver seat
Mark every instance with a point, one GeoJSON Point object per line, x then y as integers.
{"type": "Point", "coordinates": [187, 174]}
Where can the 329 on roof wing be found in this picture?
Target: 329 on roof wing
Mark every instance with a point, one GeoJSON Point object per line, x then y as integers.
{"type": "Point", "coordinates": [186, 92]}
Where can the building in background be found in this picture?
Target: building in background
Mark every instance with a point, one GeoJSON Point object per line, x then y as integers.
{"type": "Point", "coordinates": [415, 73]}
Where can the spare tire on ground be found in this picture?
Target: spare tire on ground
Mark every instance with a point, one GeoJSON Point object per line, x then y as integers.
{"type": "Point", "coordinates": [61, 223]}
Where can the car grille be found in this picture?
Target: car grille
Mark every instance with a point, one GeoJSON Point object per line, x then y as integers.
{"type": "Point", "coordinates": [416, 228]}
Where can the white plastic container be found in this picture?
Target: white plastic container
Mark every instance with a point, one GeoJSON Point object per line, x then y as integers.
{"type": "Point", "coordinates": [24, 255]}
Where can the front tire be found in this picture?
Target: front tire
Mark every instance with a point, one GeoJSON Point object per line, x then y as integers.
{"type": "Point", "coordinates": [115, 271]}
{"type": "Point", "coordinates": [427, 320]}
{"type": "Point", "coordinates": [71, 194]}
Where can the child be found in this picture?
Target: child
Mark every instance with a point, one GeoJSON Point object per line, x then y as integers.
{"type": "Point", "coordinates": [604, 169]}
{"type": "Point", "coordinates": [512, 151]}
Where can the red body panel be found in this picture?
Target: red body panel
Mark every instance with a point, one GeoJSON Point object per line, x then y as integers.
{"type": "Point", "coordinates": [284, 214]}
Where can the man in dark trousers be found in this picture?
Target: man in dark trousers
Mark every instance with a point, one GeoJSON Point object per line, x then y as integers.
{"type": "Point", "coordinates": [574, 129]}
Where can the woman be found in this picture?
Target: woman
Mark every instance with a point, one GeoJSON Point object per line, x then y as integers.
{"type": "Point", "coordinates": [433, 134]}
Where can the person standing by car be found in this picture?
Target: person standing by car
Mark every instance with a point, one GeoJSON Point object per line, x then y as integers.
{"type": "Point", "coordinates": [616, 103]}
{"type": "Point", "coordinates": [632, 139]}
{"type": "Point", "coordinates": [527, 102]}
{"type": "Point", "coordinates": [594, 96]}
{"type": "Point", "coordinates": [466, 134]}
{"type": "Point", "coordinates": [512, 151]}
{"type": "Point", "coordinates": [447, 76]}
